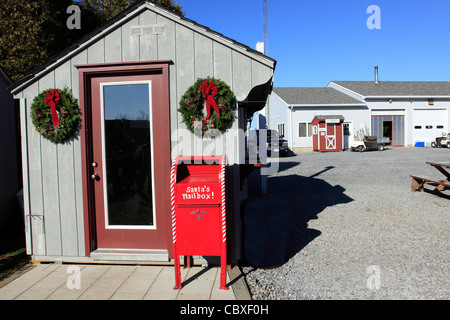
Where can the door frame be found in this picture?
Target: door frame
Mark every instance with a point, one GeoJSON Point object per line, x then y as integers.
{"type": "Point", "coordinates": [86, 73]}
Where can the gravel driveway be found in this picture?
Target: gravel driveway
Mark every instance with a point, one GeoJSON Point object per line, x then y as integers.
{"type": "Point", "coordinates": [347, 226]}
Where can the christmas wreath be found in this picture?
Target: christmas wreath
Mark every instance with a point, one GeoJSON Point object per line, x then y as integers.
{"type": "Point", "coordinates": [217, 96]}
{"type": "Point", "coordinates": [55, 114]}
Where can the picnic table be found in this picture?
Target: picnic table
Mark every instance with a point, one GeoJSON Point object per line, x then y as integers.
{"type": "Point", "coordinates": [418, 182]}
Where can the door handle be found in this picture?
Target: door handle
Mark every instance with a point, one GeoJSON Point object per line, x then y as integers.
{"type": "Point", "coordinates": [95, 177]}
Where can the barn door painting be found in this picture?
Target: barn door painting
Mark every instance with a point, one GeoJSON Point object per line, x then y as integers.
{"type": "Point", "coordinates": [128, 162]}
{"type": "Point", "coordinates": [330, 137]}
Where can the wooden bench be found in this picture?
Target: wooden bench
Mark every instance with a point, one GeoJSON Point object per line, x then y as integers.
{"type": "Point", "coordinates": [418, 183]}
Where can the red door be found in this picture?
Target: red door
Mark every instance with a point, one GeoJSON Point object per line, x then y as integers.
{"type": "Point", "coordinates": [130, 165]}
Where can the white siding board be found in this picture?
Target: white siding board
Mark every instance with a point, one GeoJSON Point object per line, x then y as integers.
{"type": "Point", "coordinates": [66, 177]}
{"type": "Point", "coordinates": [50, 184]}
{"type": "Point", "coordinates": [25, 178]}
{"type": "Point", "coordinates": [184, 59]}
{"type": "Point", "coordinates": [242, 75]}
{"type": "Point", "coordinates": [260, 73]}
{"type": "Point", "coordinates": [35, 176]}
{"type": "Point", "coordinates": [79, 59]}
{"type": "Point", "coordinates": [113, 46]}
{"type": "Point", "coordinates": [223, 65]}
{"type": "Point", "coordinates": [130, 43]}
{"type": "Point", "coordinates": [167, 51]}
{"type": "Point", "coordinates": [148, 43]}
{"type": "Point", "coordinates": [96, 52]}
{"type": "Point", "coordinates": [204, 66]}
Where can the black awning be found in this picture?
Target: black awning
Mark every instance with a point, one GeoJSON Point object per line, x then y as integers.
{"type": "Point", "coordinates": [256, 99]}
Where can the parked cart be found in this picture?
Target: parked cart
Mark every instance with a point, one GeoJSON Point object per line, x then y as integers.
{"type": "Point", "coordinates": [368, 144]}
{"type": "Point", "coordinates": [442, 142]}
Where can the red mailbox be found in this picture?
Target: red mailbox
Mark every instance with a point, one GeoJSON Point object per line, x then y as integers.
{"type": "Point", "coordinates": [198, 211]}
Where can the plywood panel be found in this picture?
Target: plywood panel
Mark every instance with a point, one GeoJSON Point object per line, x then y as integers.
{"type": "Point", "coordinates": [130, 43]}
{"type": "Point", "coordinates": [35, 176]}
{"type": "Point", "coordinates": [148, 43]}
{"type": "Point", "coordinates": [113, 46]}
{"type": "Point", "coordinates": [223, 64]}
{"type": "Point", "coordinates": [26, 182]}
{"type": "Point", "coordinates": [50, 185]}
{"type": "Point", "coordinates": [204, 64]}
{"type": "Point", "coordinates": [184, 59]}
{"type": "Point", "coordinates": [66, 177]}
{"type": "Point", "coordinates": [242, 75]}
{"type": "Point", "coordinates": [166, 51]}
{"type": "Point", "coordinates": [260, 73]}
{"type": "Point", "coordinates": [96, 52]}
{"type": "Point", "coordinates": [79, 59]}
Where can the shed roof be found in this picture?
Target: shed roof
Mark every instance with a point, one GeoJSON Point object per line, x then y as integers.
{"type": "Point", "coordinates": [397, 88]}
{"type": "Point", "coordinates": [124, 16]}
{"type": "Point", "coordinates": [330, 116]}
{"type": "Point", "coordinates": [5, 77]}
{"type": "Point", "coordinates": [315, 96]}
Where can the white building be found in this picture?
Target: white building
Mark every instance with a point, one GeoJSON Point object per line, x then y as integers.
{"type": "Point", "coordinates": [406, 112]}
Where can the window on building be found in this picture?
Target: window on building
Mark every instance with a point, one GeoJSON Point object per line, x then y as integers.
{"type": "Point", "coordinates": [346, 129]}
{"type": "Point", "coordinates": [281, 129]}
{"type": "Point", "coordinates": [302, 130]}
{"type": "Point", "coordinates": [418, 127]}
{"type": "Point", "coordinates": [428, 127]}
{"type": "Point", "coordinates": [310, 129]}
{"type": "Point", "coordinates": [439, 127]}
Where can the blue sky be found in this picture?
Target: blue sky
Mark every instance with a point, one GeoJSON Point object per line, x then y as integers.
{"type": "Point", "coordinates": [318, 41]}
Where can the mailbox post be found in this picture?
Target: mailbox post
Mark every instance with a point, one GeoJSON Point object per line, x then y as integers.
{"type": "Point", "coordinates": [198, 211]}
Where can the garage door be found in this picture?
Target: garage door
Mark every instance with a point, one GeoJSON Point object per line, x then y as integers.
{"type": "Point", "coordinates": [389, 125]}
{"type": "Point", "coordinates": [429, 124]}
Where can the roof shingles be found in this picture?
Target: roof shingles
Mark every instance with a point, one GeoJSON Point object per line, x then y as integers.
{"type": "Point", "coordinates": [314, 96]}
{"type": "Point", "coordinates": [397, 88]}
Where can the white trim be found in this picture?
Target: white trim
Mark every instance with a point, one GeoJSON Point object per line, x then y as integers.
{"type": "Point", "coordinates": [105, 196]}
{"type": "Point", "coordinates": [329, 105]}
{"type": "Point", "coordinates": [25, 176]}
{"type": "Point", "coordinates": [356, 94]}
{"type": "Point", "coordinates": [330, 140]}
{"type": "Point", "coordinates": [406, 97]}
{"type": "Point", "coordinates": [388, 112]}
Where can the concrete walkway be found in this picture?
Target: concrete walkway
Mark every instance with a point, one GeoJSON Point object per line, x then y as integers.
{"type": "Point", "coordinates": [116, 282]}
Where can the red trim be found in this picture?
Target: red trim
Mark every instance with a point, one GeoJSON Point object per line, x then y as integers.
{"type": "Point", "coordinates": [121, 66]}
{"type": "Point", "coordinates": [85, 74]}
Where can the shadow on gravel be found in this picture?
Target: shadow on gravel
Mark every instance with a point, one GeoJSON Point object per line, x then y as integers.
{"type": "Point", "coordinates": [276, 224]}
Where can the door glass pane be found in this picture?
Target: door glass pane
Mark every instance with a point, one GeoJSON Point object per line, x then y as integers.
{"type": "Point", "coordinates": [127, 155]}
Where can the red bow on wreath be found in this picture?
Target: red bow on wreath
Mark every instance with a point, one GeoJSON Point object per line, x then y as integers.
{"type": "Point", "coordinates": [51, 98]}
{"type": "Point", "coordinates": [209, 89]}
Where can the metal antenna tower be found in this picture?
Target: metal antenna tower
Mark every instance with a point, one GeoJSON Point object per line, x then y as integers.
{"type": "Point", "coordinates": [266, 46]}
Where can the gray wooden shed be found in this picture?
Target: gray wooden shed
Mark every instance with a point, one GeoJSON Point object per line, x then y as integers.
{"type": "Point", "coordinates": [166, 53]}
